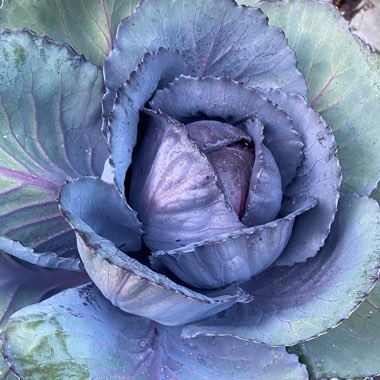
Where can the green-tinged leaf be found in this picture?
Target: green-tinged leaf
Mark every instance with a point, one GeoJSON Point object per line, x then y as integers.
{"type": "Point", "coordinates": [79, 334]}
{"type": "Point", "coordinates": [50, 131]}
{"type": "Point", "coordinates": [350, 350]}
{"type": "Point", "coordinates": [251, 3]}
{"type": "Point", "coordinates": [292, 304]}
{"type": "Point", "coordinates": [376, 194]}
{"type": "Point", "coordinates": [22, 284]}
{"type": "Point", "coordinates": [89, 26]}
{"type": "Point", "coordinates": [343, 80]}
{"type": "Point", "coordinates": [5, 372]}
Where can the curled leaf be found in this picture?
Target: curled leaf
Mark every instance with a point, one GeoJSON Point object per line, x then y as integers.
{"type": "Point", "coordinates": [236, 256]}
{"type": "Point", "coordinates": [127, 283]}
{"type": "Point", "coordinates": [296, 303]}
{"type": "Point", "coordinates": [174, 188]}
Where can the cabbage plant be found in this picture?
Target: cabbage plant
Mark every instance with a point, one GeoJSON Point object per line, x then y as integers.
{"type": "Point", "coordinates": [186, 191]}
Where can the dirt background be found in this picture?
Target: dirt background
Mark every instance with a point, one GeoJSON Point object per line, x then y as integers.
{"type": "Point", "coordinates": [364, 16]}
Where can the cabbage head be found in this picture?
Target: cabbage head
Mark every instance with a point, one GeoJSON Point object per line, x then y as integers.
{"type": "Point", "coordinates": [185, 191]}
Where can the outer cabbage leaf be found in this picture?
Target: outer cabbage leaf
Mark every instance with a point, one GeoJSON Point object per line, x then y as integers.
{"type": "Point", "coordinates": [5, 372]}
{"type": "Point", "coordinates": [296, 303]}
{"type": "Point", "coordinates": [49, 132]}
{"type": "Point", "coordinates": [127, 283]}
{"type": "Point", "coordinates": [45, 259]}
{"type": "Point", "coordinates": [343, 81]}
{"type": "Point", "coordinates": [22, 284]}
{"type": "Point", "coordinates": [88, 26]}
{"type": "Point", "coordinates": [241, 45]}
{"type": "Point", "coordinates": [103, 210]}
{"type": "Point", "coordinates": [79, 334]}
{"type": "Point", "coordinates": [351, 350]}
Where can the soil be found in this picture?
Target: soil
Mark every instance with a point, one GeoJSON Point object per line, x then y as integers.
{"type": "Point", "coordinates": [364, 16]}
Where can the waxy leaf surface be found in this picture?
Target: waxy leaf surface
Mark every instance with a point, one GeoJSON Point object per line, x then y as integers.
{"type": "Point", "coordinates": [88, 26]}
{"type": "Point", "coordinates": [127, 283]}
{"type": "Point", "coordinates": [318, 177]}
{"type": "Point", "coordinates": [296, 303]}
{"type": "Point", "coordinates": [343, 82]}
{"type": "Point", "coordinates": [216, 38]}
{"type": "Point", "coordinates": [155, 70]}
{"type": "Point", "coordinates": [22, 284]}
{"type": "Point", "coordinates": [356, 341]}
{"type": "Point", "coordinates": [174, 188]}
{"type": "Point", "coordinates": [188, 99]}
{"type": "Point", "coordinates": [49, 133]}
{"type": "Point", "coordinates": [236, 256]}
{"type": "Point", "coordinates": [79, 334]}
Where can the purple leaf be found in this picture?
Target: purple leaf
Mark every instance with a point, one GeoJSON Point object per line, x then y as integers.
{"type": "Point", "coordinates": [319, 177]}
{"type": "Point", "coordinates": [265, 190]}
{"type": "Point", "coordinates": [79, 334]}
{"type": "Point", "coordinates": [218, 38]}
{"type": "Point", "coordinates": [154, 71]}
{"type": "Point", "coordinates": [127, 283]}
{"type": "Point", "coordinates": [174, 188]}
{"type": "Point", "coordinates": [188, 99]}
{"type": "Point", "coordinates": [236, 256]}
{"type": "Point", "coordinates": [297, 303]}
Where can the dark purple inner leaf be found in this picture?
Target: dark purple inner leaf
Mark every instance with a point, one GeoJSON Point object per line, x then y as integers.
{"type": "Point", "coordinates": [231, 154]}
{"type": "Point", "coordinates": [211, 135]}
{"type": "Point", "coordinates": [233, 165]}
